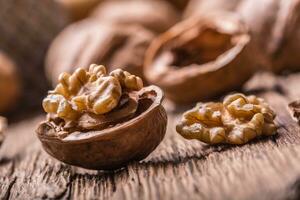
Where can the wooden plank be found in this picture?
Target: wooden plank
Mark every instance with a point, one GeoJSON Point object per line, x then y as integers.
{"type": "Point", "coordinates": [177, 169]}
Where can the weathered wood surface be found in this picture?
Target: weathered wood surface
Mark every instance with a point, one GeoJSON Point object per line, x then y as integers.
{"type": "Point", "coordinates": [177, 169]}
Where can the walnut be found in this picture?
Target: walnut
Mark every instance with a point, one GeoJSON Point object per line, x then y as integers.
{"type": "Point", "coordinates": [189, 60]}
{"type": "Point", "coordinates": [90, 91]}
{"type": "Point", "coordinates": [92, 112]}
{"type": "Point", "coordinates": [9, 83]}
{"type": "Point", "coordinates": [88, 41]}
{"type": "Point", "coordinates": [155, 15]}
{"type": "Point", "coordinates": [274, 27]}
{"type": "Point", "coordinates": [2, 127]}
{"type": "Point", "coordinates": [237, 120]}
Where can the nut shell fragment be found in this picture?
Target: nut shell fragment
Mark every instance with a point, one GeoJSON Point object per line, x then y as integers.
{"type": "Point", "coordinates": [237, 120]}
{"type": "Point", "coordinates": [116, 146]}
{"type": "Point", "coordinates": [190, 59]}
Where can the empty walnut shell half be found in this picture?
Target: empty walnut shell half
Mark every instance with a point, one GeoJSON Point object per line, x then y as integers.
{"type": "Point", "coordinates": [113, 147]}
{"type": "Point", "coordinates": [274, 27]}
{"type": "Point", "coordinates": [9, 83]}
{"type": "Point", "coordinates": [88, 41]}
{"type": "Point", "coordinates": [201, 57]}
{"type": "Point", "coordinates": [155, 15]}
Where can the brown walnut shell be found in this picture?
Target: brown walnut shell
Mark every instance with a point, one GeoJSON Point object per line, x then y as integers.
{"type": "Point", "coordinates": [155, 15]}
{"type": "Point", "coordinates": [9, 83]}
{"type": "Point", "coordinates": [200, 57]}
{"type": "Point", "coordinates": [113, 147]}
{"type": "Point", "coordinates": [275, 26]}
{"type": "Point", "coordinates": [87, 42]}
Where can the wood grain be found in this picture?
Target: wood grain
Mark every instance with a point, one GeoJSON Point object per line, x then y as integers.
{"type": "Point", "coordinates": [178, 169]}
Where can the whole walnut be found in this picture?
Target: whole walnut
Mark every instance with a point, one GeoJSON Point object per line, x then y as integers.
{"type": "Point", "coordinates": [201, 57]}
{"type": "Point", "coordinates": [275, 27]}
{"type": "Point", "coordinates": [88, 41]}
{"type": "Point", "coordinates": [155, 15]}
{"type": "Point", "coordinates": [9, 83]}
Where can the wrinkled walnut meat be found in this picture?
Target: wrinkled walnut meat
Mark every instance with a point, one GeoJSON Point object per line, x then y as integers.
{"type": "Point", "coordinates": [189, 60]}
{"type": "Point", "coordinates": [295, 108]}
{"type": "Point", "coordinates": [237, 120]}
{"type": "Point", "coordinates": [2, 127]}
{"type": "Point", "coordinates": [88, 41]}
{"type": "Point", "coordinates": [102, 121]}
{"type": "Point", "coordinates": [86, 99]}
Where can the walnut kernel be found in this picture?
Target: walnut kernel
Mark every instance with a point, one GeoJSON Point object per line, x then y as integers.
{"type": "Point", "coordinates": [237, 120]}
{"type": "Point", "coordinates": [90, 91]}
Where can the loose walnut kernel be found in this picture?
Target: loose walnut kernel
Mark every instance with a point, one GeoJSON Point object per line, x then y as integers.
{"type": "Point", "coordinates": [91, 91]}
{"type": "Point", "coordinates": [237, 120]}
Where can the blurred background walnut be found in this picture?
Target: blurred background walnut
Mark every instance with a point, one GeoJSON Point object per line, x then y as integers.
{"type": "Point", "coordinates": [9, 83]}
{"type": "Point", "coordinates": [275, 26]}
{"type": "Point", "coordinates": [155, 15]}
{"type": "Point", "coordinates": [237, 120]}
{"type": "Point", "coordinates": [189, 59]}
{"type": "Point", "coordinates": [27, 28]}
{"type": "Point", "coordinates": [87, 42]}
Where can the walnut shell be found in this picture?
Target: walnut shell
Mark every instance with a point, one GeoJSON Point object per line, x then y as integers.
{"type": "Point", "coordinates": [190, 59]}
{"type": "Point", "coordinates": [113, 147]}
{"type": "Point", "coordinates": [87, 42]}
{"type": "Point", "coordinates": [9, 83]}
{"type": "Point", "coordinates": [154, 15]}
{"type": "Point", "coordinates": [274, 26]}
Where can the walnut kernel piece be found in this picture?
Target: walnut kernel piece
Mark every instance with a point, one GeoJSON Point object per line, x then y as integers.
{"type": "Point", "coordinates": [237, 120]}
{"type": "Point", "coordinates": [90, 91]}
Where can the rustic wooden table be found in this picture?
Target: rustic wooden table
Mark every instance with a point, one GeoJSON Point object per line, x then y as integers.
{"type": "Point", "coordinates": [178, 169]}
